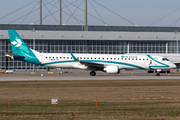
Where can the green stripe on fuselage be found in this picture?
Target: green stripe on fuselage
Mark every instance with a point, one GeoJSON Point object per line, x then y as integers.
{"type": "Point", "coordinates": [150, 67]}
{"type": "Point", "coordinates": [97, 61]}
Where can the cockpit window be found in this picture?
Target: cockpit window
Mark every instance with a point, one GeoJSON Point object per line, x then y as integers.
{"type": "Point", "coordinates": [165, 59]}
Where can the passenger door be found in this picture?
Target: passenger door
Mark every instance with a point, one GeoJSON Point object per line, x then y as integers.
{"type": "Point", "coordinates": [41, 58]}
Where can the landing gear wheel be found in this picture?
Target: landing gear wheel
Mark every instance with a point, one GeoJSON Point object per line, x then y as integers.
{"type": "Point", "coordinates": [93, 73]}
{"type": "Point", "coordinates": [158, 74]}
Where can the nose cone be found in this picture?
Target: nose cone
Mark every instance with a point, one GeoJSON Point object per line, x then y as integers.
{"type": "Point", "coordinates": [173, 65]}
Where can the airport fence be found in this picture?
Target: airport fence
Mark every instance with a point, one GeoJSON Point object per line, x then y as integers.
{"type": "Point", "coordinates": [137, 100]}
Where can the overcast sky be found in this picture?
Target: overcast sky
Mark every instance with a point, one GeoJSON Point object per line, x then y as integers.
{"type": "Point", "coordinates": [136, 12]}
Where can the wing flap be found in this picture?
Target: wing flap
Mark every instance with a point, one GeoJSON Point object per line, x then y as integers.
{"type": "Point", "coordinates": [92, 64]}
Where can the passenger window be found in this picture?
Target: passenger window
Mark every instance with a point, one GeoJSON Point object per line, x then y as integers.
{"type": "Point", "coordinates": [67, 57]}
{"type": "Point", "coordinates": [121, 58]}
{"type": "Point", "coordinates": [84, 58]}
{"type": "Point", "coordinates": [114, 58]}
{"type": "Point", "coordinates": [46, 57]}
{"type": "Point", "coordinates": [60, 57]}
{"type": "Point", "coordinates": [99, 58]}
{"type": "Point", "coordinates": [139, 58]}
{"type": "Point", "coordinates": [132, 58]}
{"type": "Point", "coordinates": [107, 58]}
{"type": "Point", "coordinates": [129, 59]}
{"type": "Point", "coordinates": [150, 62]}
{"type": "Point", "coordinates": [143, 59]}
{"type": "Point", "coordinates": [88, 58]}
{"type": "Point", "coordinates": [94, 58]}
{"type": "Point", "coordinates": [71, 57]}
{"type": "Point", "coordinates": [111, 58]}
{"type": "Point", "coordinates": [49, 57]}
{"type": "Point", "coordinates": [80, 57]}
{"type": "Point", "coordinates": [118, 58]}
{"type": "Point", "coordinates": [64, 57]}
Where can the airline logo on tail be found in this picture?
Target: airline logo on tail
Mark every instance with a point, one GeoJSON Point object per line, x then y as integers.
{"type": "Point", "coordinates": [17, 42]}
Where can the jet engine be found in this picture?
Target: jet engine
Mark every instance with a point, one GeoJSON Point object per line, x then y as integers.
{"type": "Point", "coordinates": [112, 69]}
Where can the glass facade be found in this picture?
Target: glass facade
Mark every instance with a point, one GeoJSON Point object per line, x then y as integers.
{"type": "Point", "coordinates": [84, 46]}
{"type": "Point", "coordinates": [147, 47]}
{"type": "Point", "coordinates": [107, 47]}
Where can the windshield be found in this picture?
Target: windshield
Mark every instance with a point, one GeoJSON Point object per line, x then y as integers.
{"type": "Point", "coordinates": [165, 59]}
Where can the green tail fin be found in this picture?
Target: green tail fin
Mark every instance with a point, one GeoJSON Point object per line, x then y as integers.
{"type": "Point", "coordinates": [17, 44]}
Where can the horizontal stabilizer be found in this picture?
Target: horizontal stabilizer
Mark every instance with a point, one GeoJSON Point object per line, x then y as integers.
{"type": "Point", "coordinates": [10, 55]}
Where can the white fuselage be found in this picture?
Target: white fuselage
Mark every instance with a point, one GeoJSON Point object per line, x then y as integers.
{"type": "Point", "coordinates": [65, 60]}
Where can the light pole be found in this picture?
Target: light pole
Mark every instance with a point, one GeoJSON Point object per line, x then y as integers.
{"type": "Point", "coordinates": [176, 32]}
{"type": "Point", "coordinates": [33, 30]}
{"type": "Point", "coordinates": [60, 12]}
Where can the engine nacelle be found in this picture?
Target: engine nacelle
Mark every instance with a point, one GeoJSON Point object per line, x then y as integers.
{"type": "Point", "coordinates": [112, 69]}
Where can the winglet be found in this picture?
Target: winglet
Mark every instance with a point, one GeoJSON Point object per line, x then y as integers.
{"type": "Point", "coordinates": [75, 59]}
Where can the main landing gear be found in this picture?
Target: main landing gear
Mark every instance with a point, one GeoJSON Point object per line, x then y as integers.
{"type": "Point", "coordinates": [158, 74]}
{"type": "Point", "coordinates": [93, 73]}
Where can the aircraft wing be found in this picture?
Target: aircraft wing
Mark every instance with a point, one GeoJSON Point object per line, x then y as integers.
{"type": "Point", "coordinates": [89, 64]}
{"type": "Point", "coordinates": [92, 64]}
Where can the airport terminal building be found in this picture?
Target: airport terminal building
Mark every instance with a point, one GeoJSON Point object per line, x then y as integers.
{"type": "Point", "coordinates": [92, 40]}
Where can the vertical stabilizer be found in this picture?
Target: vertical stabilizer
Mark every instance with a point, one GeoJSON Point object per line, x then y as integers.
{"type": "Point", "coordinates": [17, 44]}
{"type": "Point", "coordinates": [19, 48]}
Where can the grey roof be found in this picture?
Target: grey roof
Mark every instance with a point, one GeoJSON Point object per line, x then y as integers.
{"type": "Point", "coordinates": [90, 28]}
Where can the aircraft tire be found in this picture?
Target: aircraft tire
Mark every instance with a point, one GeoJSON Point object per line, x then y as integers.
{"type": "Point", "coordinates": [158, 74]}
{"type": "Point", "coordinates": [93, 73]}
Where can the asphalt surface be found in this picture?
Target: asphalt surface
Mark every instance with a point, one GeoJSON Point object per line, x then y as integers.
{"type": "Point", "coordinates": [75, 76]}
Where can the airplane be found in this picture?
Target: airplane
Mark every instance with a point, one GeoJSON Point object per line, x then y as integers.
{"type": "Point", "coordinates": [108, 63]}
{"type": "Point", "coordinates": [173, 57]}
